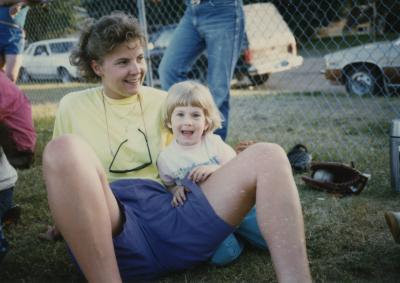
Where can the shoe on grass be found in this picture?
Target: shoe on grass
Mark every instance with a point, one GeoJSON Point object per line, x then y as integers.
{"type": "Point", "coordinates": [393, 221]}
{"type": "Point", "coordinates": [12, 215]}
{"type": "Point", "coordinates": [52, 234]}
{"type": "Point", "coordinates": [299, 158]}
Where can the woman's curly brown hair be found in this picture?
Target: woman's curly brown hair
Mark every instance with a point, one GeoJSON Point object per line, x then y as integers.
{"type": "Point", "coordinates": [99, 38]}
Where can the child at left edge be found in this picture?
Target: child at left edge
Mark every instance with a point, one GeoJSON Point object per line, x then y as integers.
{"type": "Point", "coordinates": [195, 152]}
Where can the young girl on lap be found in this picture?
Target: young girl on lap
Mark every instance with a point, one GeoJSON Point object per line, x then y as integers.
{"type": "Point", "coordinates": [195, 152]}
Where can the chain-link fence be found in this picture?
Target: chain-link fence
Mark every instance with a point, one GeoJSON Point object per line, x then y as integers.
{"type": "Point", "coordinates": [323, 73]}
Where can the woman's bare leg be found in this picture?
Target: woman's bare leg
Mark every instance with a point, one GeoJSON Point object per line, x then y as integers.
{"type": "Point", "coordinates": [262, 175]}
{"type": "Point", "coordinates": [83, 206]}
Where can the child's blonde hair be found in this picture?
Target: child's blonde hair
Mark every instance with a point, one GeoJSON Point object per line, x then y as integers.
{"type": "Point", "coordinates": [191, 93]}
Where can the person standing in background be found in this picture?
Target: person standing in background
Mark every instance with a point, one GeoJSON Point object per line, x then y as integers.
{"type": "Point", "coordinates": [216, 26]}
{"type": "Point", "coordinates": [12, 36]}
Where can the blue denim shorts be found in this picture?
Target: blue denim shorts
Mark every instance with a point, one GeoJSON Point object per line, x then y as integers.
{"type": "Point", "coordinates": [12, 40]}
{"type": "Point", "coordinates": [157, 238]}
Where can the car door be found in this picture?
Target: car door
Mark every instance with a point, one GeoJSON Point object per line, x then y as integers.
{"type": "Point", "coordinates": [47, 61]}
{"type": "Point", "coordinates": [36, 65]}
{"type": "Point", "coordinates": [60, 52]}
{"type": "Point", "coordinates": [392, 69]}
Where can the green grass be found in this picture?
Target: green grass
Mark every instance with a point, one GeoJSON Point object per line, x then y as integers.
{"type": "Point", "coordinates": [347, 238]}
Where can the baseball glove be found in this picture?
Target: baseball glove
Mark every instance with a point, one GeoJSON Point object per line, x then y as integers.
{"type": "Point", "coordinates": [336, 178]}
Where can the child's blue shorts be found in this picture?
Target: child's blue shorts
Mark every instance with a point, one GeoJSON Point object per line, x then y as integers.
{"type": "Point", "coordinates": [158, 238]}
{"type": "Point", "coordinates": [12, 40]}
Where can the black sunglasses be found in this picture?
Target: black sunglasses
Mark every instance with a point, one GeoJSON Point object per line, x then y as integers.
{"type": "Point", "coordinates": [133, 169]}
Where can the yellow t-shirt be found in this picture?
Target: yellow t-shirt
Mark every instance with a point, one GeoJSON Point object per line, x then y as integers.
{"type": "Point", "coordinates": [104, 123]}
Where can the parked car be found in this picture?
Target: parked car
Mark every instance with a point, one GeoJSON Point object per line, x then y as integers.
{"type": "Point", "coordinates": [158, 43]}
{"type": "Point", "coordinates": [48, 59]}
{"type": "Point", "coordinates": [368, 69]}
{"type": "Point", "coordinates": [269, 46]}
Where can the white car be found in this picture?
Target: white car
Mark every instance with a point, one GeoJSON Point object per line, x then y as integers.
{"type": "Point", "coordinates": [49, 59]}
{"type": "Point", "coordinates": [368, 69]}
{"type": "Point", "coordinates": [271, 46]}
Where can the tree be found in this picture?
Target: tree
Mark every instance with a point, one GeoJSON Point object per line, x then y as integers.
{"type": "Point", "coordinates": [99, 8]}
{"type": "Point", "coordinates": [56, 20]}
{"type": "Point", "coordinates": [306, 17]}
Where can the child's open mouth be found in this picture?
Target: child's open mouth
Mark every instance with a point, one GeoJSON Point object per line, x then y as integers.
{"type": "Point", "coordinates": [187, 133]}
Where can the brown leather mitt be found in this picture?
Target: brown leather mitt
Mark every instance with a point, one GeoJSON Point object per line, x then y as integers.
{"type": "Point", "coordinates": [336, 178]}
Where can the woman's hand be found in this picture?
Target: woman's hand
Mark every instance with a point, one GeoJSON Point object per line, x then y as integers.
{"type": "Point", "coordinates": [201, 173]}
{"type": "Point", "coordinates": [243, 145]}
{"type": "Point", "coordinates": [179, 198]}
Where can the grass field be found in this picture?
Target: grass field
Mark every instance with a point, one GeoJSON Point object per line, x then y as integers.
{"type": "Point", "coordinates": [347, 238]}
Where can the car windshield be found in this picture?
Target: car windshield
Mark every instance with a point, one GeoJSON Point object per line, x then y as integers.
{"type": "Point", "coordinates": [61, 47]}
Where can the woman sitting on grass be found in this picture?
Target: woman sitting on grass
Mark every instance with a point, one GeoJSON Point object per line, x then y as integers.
{"type": "Point", "coordinates": [103, 187]}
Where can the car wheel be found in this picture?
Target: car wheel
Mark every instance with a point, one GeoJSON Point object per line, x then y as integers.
{"type": "Point", "coordinates": [361, 81]}
{"type": "Point", "coordinates": [24, 76]}
{"type": "Point", "coordinates": [258, 79]}
{"type": "Point", "coordinates": [64, 75]}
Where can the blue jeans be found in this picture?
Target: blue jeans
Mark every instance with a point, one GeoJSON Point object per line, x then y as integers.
{"type": "Point", "coordinates": [249, 230]}
{"type": "Point", "coordinates": [216, 26]}
{"type": "Point", "coordinates": [6, 202]}
{"type": "Point", "coordinates": [231, 248]}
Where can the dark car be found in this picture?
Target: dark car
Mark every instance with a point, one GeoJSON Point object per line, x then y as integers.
{"type": "Point", "coordinates": [158, 43]}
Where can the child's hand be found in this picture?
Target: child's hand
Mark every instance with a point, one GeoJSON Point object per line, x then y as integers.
{"type": "Point", "coordinates": [14, 9]}
{"type": "Point", "coordinates": [179, 196]}
{"type": "Point", "coordinates": [201, 173]}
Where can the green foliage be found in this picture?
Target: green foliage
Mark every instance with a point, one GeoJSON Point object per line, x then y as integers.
{"type": "Point", "coordinates": [305, 17]}
{"type": "Point", "coordinates": [99, 8]}
{"type": "Point", "coordinates": [57, 20]}
{"type": "Point", "coordinates": [158, 13]}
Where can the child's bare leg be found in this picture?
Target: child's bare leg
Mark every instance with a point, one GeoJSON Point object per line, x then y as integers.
{"type": "Point", "coordinates": [12, 65]}
{"type": "Point", "coordinates": [262, 175]}
{"type": "Point", "coordinates": [83, 206]}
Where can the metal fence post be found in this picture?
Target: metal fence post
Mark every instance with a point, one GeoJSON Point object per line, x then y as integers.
{"type": "Point", "coordinates": [143, 23]}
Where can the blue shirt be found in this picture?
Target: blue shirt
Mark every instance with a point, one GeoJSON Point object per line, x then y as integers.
{"type": "Point", "coordinates": [19, 18]}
